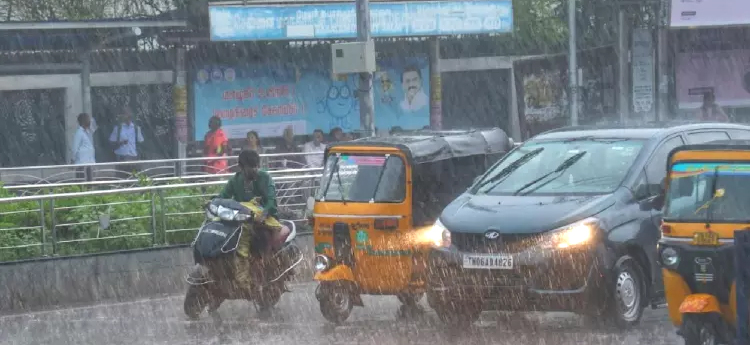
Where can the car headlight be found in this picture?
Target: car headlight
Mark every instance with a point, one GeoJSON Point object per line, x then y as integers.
{"type": "Point", "coordinates": [321, 263]}
{"type": "Point", "coordinates": [573, 235]}
{"type": "Point", "coordinates": [438, 235]}
{"type": "Point", "coordinates": [670, 258]}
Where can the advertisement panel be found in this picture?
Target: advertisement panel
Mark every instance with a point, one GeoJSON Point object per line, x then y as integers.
{"type": "Point", "coordinates": [726, 73]}
{"type": "Point", "coordinates": [267, 98]}
{"type": "Point", "coordinates": [339, 20]}
{"type": "Point", "coordinates": [697, 13]}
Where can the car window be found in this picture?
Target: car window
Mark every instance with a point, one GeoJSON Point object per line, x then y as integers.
{"type": "Point", "coordinates": [656, 169]}
{"type": "Point", "coordinates": [739, 134]}
{"type": "Point", "coordinates": [704, 137]}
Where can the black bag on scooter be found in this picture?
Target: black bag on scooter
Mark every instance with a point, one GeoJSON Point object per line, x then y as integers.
{"type": "Point", "coordinates": [216, 239]}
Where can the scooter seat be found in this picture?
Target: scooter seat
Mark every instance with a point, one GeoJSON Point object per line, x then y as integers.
{"type": "Point", "coordinates": [280, 238]}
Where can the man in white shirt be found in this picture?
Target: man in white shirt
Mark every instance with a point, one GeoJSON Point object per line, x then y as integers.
{"type": "Point", "coordinates": [82, 149]}
{"type": "Point", "coordinates": [414, 96]}
{"type": "Point", "coordinates": [315, 150]}
{"type": "Point", "coordinates": [124, 139]}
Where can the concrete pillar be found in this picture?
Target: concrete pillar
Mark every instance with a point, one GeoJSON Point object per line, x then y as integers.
{"type": "Point", "coordinates": [515, 121]}
{"type": "Point", "coordinates": [73, 107]}
{"type": "Point", "coordinates": [662, 76]}
{"type": "Point", "coordinates": [86, 82]}
{"type": "Point", "coordinates": [436, 86]}
{"type": "Point", "coordinates": [179, 97]}
{"type": "Point", "coordinates": [623, 66]}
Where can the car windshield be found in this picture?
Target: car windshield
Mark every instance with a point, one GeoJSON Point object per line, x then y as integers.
{"type": "Point", "coordinates": [709, 192]}
{"type": "Point", "coordinates": [572, 166]}
{"type": "Point", "coordinates": [363, 178]}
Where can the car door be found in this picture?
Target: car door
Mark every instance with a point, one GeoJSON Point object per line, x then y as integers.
{"type": "Point", "coordinates": [704, 136]}
{"type": "Point", "coordinates": [654, 172]}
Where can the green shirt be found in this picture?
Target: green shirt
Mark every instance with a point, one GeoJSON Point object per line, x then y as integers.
{"type": "Point", "coordinates": [262, 187]}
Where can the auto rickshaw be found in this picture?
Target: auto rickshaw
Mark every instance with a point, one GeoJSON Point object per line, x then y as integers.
{"type": "Point", "coordinates": [707, 198]}
{"type": "Point", "coordinates": [377, 199]}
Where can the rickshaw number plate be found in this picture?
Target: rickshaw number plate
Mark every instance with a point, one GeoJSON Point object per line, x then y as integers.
{"type": "Point", "coordinates": [488, 261]}
{"type": "Point", "coordinates": [706, 239]}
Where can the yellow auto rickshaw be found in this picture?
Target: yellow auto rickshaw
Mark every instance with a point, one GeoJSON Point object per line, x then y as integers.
{"type": "Point", "coordinates": [707, 198]}
{"type": "Point", "coordinates": [377, 199]}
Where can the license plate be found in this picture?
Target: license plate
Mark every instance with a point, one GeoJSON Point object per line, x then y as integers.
{"type": "Point", "coordinates": [488, 261]}
{"type": "Point", "coordinates": [706, 239]}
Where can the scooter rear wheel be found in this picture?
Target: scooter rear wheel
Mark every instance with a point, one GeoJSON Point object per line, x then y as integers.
{"type": "Point", "coordinates": [699, 329]}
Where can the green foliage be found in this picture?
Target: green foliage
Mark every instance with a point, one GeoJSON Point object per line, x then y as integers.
{"type": "Point", "coordinates": [175, 217]}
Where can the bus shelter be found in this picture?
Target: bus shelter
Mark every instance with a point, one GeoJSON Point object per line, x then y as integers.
{"type": "Point", "coordinates": [267, 66]}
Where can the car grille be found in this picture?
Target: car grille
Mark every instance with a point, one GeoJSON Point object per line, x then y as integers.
{"type": "Point", "coordinates": [507, 243]}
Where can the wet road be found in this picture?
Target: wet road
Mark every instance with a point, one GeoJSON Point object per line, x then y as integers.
{"type": "Point", "coordinates": [297, 320]}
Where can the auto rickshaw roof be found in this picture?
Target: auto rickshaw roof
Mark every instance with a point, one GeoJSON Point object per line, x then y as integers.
{"type": "Point", "coordinates": [424, 146]}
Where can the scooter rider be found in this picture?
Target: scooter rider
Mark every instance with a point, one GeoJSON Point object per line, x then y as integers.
{"type": "Point", "coordinates": [250, 183]}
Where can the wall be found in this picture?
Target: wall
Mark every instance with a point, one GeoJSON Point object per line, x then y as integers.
{"type": "Point", "coordinates": [72, 85]}
{"type": "Point", "coordinates": [64, 282]}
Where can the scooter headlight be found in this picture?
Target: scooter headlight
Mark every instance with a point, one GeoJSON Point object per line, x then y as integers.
{"type": "Point", "coordinates": [321, 263]}
{"type": "Point", "coordinates": [670, 258]}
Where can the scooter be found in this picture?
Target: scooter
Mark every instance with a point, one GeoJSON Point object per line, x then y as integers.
{"type": "Point", "coordinates": [211, 281]}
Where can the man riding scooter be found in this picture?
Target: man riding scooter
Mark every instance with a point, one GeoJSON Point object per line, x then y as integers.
{"type": "Point", "coordinates": [248, 184]}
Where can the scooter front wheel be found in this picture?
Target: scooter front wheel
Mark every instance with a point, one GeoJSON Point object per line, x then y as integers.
{"type": "Point", "coordinates": [335, 302]}
{"type": "Point", "coordinates": [196, 301]}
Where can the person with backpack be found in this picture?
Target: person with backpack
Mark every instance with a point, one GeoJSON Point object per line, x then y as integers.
{"type": "Point", "coordinates": [124, 139]}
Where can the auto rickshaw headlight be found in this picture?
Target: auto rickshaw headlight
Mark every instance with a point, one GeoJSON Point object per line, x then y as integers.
{"type": "Point", "coordinates": [670, 258]}
{"type": "Point", "coordinates": [573, 235]}
{"type": "Point", "coordinates": [438, 235]}
{"type": "Point", "coordinates": [321, 263]}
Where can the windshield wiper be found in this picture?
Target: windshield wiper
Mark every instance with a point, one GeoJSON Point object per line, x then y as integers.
{"type": "Point", "coordinates": [562, 167]}
{"type": "Point", "coordinates": [511, 168]}
{"type": "Point", "coordinates": [338, 178]}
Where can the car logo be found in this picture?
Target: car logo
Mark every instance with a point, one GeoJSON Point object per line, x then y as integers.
{"type": "Point", "coordinates": [492, 234]}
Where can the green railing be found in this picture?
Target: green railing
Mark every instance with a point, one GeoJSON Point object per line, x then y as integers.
{"type": "Point", "coordinates": [77, 221]}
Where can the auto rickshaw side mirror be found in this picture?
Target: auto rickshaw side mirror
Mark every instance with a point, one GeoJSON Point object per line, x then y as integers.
{"type": "Point", "coordinates": [310, 203]}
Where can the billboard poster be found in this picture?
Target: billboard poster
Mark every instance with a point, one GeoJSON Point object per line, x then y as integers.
{"type": "Point", "coordinates": [339, 20]}
{"type": "Point", "coordinates": [692, 13]}
{"type": "Point", "coordinates": [725, 73]}
{"type": "Point", "coordinates": [269, 97]}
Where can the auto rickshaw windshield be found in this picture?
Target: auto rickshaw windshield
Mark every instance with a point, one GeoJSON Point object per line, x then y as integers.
{"type": "Point", "coordinates": [708, 192]}
{"type": "Point", "coordinates": [363, 178]}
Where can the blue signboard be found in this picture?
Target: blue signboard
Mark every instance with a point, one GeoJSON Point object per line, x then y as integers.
{"type": "Point", "coordinates": [338, 20]}
{"type": "Point", "coordinates": [267, 98]}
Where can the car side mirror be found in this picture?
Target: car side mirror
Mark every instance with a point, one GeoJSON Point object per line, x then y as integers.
{"type": "Point", "coordinates": [658, 202]}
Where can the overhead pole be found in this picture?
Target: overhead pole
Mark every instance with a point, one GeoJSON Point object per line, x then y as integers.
{"type": "Point", "coordinates": [572, 63]}
{"type": "Point", "coordinates": [366, 99]}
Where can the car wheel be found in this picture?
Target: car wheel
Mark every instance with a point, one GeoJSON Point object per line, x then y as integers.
{"type": "Point", "coordinates": [627, 293]}
{"type": "Point", "coordinates": [698, 330]}
{"type": "Point", "coordinates": [335, 303]}
{"type": "Point", "coordinates": [458, 313]}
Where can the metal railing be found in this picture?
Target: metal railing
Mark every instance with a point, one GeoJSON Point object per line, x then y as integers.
{"type": "Point", "coordinates": [110, 220]}
{"type": "Point", "coordinates": [158, 168]}
{"type": "Point", "coordinates": [41, 187]}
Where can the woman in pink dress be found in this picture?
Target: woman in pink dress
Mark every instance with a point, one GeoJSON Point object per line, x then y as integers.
{"type": "Point", "coordinates": [216, 144]}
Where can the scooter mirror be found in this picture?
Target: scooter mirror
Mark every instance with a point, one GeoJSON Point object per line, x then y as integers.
{"type": "Point", "coordinates": [310, 203]}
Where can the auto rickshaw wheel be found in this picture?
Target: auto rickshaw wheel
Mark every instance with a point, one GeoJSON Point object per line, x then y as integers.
{"type": "Point", "coordinates": [699, 329]}
{"type": "Point", "coordinates": [196, 301]}
{"type": "Point", "coordinates": [627, 298]}
{"type": "Point", "coordinates": [335, 302]}
{"type": "Point", "coordinates": [410, 299]}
